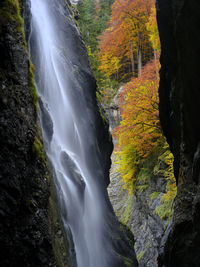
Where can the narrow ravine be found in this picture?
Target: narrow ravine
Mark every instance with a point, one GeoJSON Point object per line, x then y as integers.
{"type": "Point", "coordinates": [54, 206]}
{"type": "Point", "coordinates": [70, 136]}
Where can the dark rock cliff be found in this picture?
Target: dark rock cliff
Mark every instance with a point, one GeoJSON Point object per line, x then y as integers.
{"type": "Point", "coordinates": [24, 183]}
{"type": "Point", "coordinates": [179, 24]}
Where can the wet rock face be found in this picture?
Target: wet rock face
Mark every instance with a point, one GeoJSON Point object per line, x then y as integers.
{"type": "Point", "coordinates": [23, 174]}
{"type": "Point", "coordinates": [179, 109]}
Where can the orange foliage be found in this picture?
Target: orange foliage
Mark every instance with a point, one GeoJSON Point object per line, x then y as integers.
{"type": "Point", "coordinates": [139, 133]}
{"type": "Point", "coordinates": [127, 33]}
{"type": "Point", "coordinates": [140, 124]}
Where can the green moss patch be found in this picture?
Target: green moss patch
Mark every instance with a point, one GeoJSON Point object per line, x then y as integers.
{"type": "Point", "coordinates": [10, 11]}
{"type": "Point", "coordinates": [38, 148]}
{"type": "Point", "coordinates": [140, 255]}
{"type": "Point", "coordinates": [126, 214]}
{"type": "Point", "coordinates": [127, 261]}
{"type": "Point", "coordinates": [32, 85]}
{"type": "Point", "coordinates": [153, 196]}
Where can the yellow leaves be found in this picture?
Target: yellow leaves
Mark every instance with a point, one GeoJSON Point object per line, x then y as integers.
{"type": "Point", "coordinates": [109, 64]}
{"type": "Point", "coordinates": [89, 51]}
{"type": "Point", "coordinates": [166, 170]}
{"type": "Point", "coordinates": [168, 158]}
{"type": "Point", "coordinates": [153, 30]}
{"type": "Point", "coordinates": [139, 112]}
{"type": "Point", "coordinates": [125, 160]}
{"type": "Point", "coordinates": [139, 133]}
{"type": "Point", "coordinates": [171, 192]}
{"type": "Point", "coordinates": [109, 29]}
{"type": "Point", "coordinates": [169, 175]}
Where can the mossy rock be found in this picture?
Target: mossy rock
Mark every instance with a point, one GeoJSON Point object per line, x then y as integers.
{"type": "Point", "coordinates": [126, 214]}
{"type": "Point", "coordinates": [10, 11]}
{"type": "Point", "coordinates": [38, 148]}
{"type": "Point", "coordinates": [140, 255]}
{"type": "Point", "coordinates": [32, 86]}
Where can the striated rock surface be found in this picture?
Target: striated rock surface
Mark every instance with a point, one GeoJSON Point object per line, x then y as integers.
{"type": "Point", "coordinates": [179, 91]}
{"type": "Point", "coordinates": [138, 211]}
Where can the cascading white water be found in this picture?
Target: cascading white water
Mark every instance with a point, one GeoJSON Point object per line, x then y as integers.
{"type": "Point", "coordinates": [69, 137]}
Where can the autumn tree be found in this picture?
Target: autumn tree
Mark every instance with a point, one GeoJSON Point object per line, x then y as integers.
{"type": "Point", "coordinates": [126, 41]}
{"type": "Point", "coordinates": [139, 110]}
{"type": "Point", "coordinates": [139, 132]}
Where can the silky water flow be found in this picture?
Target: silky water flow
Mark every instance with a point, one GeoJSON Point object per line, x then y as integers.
{"type": "Point", "coordinates": [68, 136]}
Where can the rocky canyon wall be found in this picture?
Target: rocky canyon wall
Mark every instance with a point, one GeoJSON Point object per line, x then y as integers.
{"type": "Point", "coordinates": [179, 23]}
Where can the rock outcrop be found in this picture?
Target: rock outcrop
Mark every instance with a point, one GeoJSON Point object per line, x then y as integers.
{"type": "Point", "coordinates": [113, 112]}
{"type": "Point", "coordinates": [138, 210]}
{"type": "Point", "coordinates": [178, 22]}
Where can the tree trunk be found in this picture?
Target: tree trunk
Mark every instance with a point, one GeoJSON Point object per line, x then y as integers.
{"type": "Point", "coordinates": [132, 59]}
{"type": "Point", "coordinates": [139, 56]}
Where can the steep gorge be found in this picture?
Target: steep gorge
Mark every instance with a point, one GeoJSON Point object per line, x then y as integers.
{"type": "Point", "coordinates": [30, 228]}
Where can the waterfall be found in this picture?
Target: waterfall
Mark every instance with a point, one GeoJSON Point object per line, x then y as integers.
{"type": "Point", "coordinates": [69, 133]}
